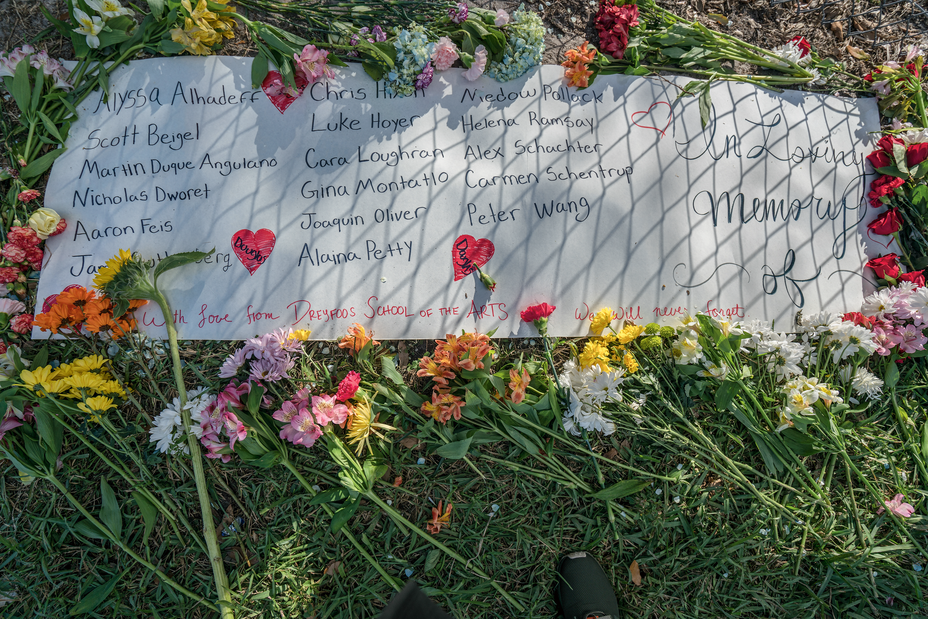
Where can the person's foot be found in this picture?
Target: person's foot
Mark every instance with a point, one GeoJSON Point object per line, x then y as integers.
{"type": "Point", "coordinates": [584, 590]}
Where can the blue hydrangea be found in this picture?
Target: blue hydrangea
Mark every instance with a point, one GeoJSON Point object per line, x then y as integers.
{"type": "Point", "coordinates": [525, 43]}
{"type": "Point", "coordinates": [413, 52]}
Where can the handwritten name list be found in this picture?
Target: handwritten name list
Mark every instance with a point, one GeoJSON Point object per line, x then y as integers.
{"type": "Point", "coordinates": [354, 206]}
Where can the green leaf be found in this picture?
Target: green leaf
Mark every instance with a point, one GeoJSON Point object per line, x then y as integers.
{"type": "Point", "coordinates": [178, 260]}
{"type": "Point", "coordinates": [170, 48]}
{"type": "Point", "coordinates": [149, 514]}
{"type": "Point", "coordinates": [705, 105]}
{"type": "Point", "coordinates": [92, 600]}
{"type": "Point", "coordinates": [622, 489]}
{"type": "Point", "coordinates": [726, 393]}
{"type": "Point", "coordinates": [892, 373]}
{"type": "Point", "coordinates": [89, 529]}
{"type": "Point", "coordinates": [900, 157]}
{"type": "Point", "coordinates": [63, 27]}
{"type": "Point", "coordinates": [374, 71]}
{"type": "Point", "coordinates": [38, 167]}
{"type": "Point", "coordinates": [455, 450]}
{"type": "Point", "coordinates": [259, 69]}
{"type": "Point", "coordinates": [156, 7]}
{"type": "Point", "coordinates": [51, 432]}
{"type": "Point", "coordinates": [112, 38]}
{"type": "Point", "coordinates": [343, 514]}
{"type": "Point", "coordinates": [268, 460]}
{"type": "Point", "coordinates": [39, 79]}
{"type": "Point", "coordinates": [50, 126]}
{"type": "Point", "coordinates": [389, 370]}
{"type": "Point", "coordinates": [431, 560]}
{"type": "Point", "coordinates": [19, 86]}
{"type": "Point", "coordinates": [328, 496]}
{"type": "Point", "coordinates": [109, 512]}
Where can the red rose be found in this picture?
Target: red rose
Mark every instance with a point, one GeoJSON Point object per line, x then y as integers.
{"type": "Point", "coordinates": [858, 319]}
{"type": "Point", "coordinates": [883, 186]}
{"type": "Point", "coordinates": [536, 312]}
{"type": "Point", "coordinates": [22, 323]}
{"type": "Point", "coordinates": [887, 223]}
{"type": "Point", "coordinates": [804, 46]}
{"type": "Point", "coordinates": [916, 153]}
{"type": "Point", "coordinates": [879, 159]}
{"type": "Point", "coordinates": [24, 237]}
{"type": "Point", "coordinates": [886, 266]}
{"type": "Point", "coordinates": [887, 142]}
{"type": "Point", "coordinates": [916, 277]}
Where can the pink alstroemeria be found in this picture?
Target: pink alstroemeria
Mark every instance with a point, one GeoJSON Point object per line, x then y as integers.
{"type": "Point", "coordinates": [287, 412]}
{"type": "Point", "coordinates": [898, 507]}
{"type": "Point", "coordinates": [214, 447]}
{"type": "Point", "coordinates": [234, 428]}
{"type": "Point", "coordinates": [326, 409]}
{"type": "Point", "coordinates": [313, 63]}
{"type": "Point", "coordinates": [910, 339]}
{"type": "Point", "coordinates": [302, 430]}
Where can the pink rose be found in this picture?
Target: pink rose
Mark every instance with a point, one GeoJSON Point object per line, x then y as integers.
{"type": "Point", "coordinates": [445, 53]}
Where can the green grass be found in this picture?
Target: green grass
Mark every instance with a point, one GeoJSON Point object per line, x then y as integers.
{"type": "Point", "coordinates": [707, 547]}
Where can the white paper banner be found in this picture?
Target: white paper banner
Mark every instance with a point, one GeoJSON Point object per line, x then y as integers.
{"type": "Point", "coordinates": [356, 207]}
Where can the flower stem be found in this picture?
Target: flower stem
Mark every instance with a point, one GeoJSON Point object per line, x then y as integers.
{"type": "Point", "coordinates": [209, 528]}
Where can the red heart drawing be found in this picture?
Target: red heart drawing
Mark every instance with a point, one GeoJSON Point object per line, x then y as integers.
{"type": "Point", "coordinates": [886, 245]}
{"type": "Point", "coordinates": [276, 90]}
{"type": "Point", "coordinates": [469, 253]}
{"type": "Point", "coordinates": [253, 248]}
{"type": "Point", "coordinates": [669, 118]}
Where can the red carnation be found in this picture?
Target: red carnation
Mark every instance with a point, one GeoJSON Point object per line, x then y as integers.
{"type": "Point", "coordinates": [8, 275]}
{"type": "Point", "coordinates": [916, 153]}
{"type": "Point", "coordinates": [887, 223]}
{"type": "Point", "coordinates": [886, 267]}
{"type": "Point", "coordinates": [916, 277]}
{"type": "Point", "coordinates": [13, 252]}
{"type": "Point", "coordinates": [62, 224]}
{"type": "Point", "coordinates": [858, 319]}
{"type": "Point", "coordinates": [22, 323]}
{"type": "Point", "coordinates": [538, 316]}
{"type": "Point", "coordinates": [883, 186]}
{"type": "Point", "coordinates": [24, 237]}
{"type": "Point", "coordinates": [804, 46]}
{"type": "Point", "coordinates": [348, 387]}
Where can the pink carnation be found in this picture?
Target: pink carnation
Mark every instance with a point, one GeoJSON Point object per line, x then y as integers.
{"type": "Point", "coordinates": [477, 67]}
{"type": "Point", "coordinates": [14, 252]}
{"type": "Point", "coordinates": [21, 323]}
{"type": "Point", "coordinates": [28, 195]}
{"type": "Point", "coordinates": [8, 275]}
{"type": "Point", "coordinates": [445, 53]}
{"type": "Point", "coordinates": [24, 237]}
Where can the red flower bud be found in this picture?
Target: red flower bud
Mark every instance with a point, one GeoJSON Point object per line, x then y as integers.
{"type": "Point", "coordinates": [916, 277]}
{"type": "Point", "coordinates": [916, 153]}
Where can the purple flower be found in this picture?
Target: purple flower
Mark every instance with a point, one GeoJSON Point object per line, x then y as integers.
{"type": "Point", "coordinates": [425, 78]}
{"type": "Point", "coordinates": [379, 35]}
{"type": "Point", "coordinates": [232, 363]}
{"type": "Point", "coordinates": [458, 13]}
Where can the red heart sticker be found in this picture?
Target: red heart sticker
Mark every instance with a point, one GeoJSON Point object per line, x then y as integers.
{"type": "Point", "coordinates": [253, 248]}
{"type": "Point", "coordinates": [469, 253]}
{"type": "Point", "coordinates": [279, 93]}
{"type": "Point", "coordinates": [654, 118]}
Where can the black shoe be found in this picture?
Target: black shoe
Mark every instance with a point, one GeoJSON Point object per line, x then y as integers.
{"type": "Point", "coordinates": [585, 590]}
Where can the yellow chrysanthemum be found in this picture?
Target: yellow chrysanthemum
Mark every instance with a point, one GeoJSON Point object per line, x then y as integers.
{"type": "Point", "coordinates": [595, 353]}
{"type": "Point", "coordinates": [601, 320]}
{"type": "Point", "coordinates": [95, 406]}
{"type": "Point", "coordinates": [63, 371]}
{"type": "Point", "coordinates": [631, 364]}
{"type": "Point", "coordinates": [83, 381]}
{"type": "Point", "coordinates": [88, 364]}
{"type": "Point", "coordinates": [629, 333]}
{"type": "Point", "coordinates": [362, 424]}
{"type": "Point", "coordinates": [113, 265]}
{"type": "Point", "coordinates": [40, 375]}
{"type": "Point", "coordinates": [111, 387]}
{"type": "Point", "coordinates": [300, 334]}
